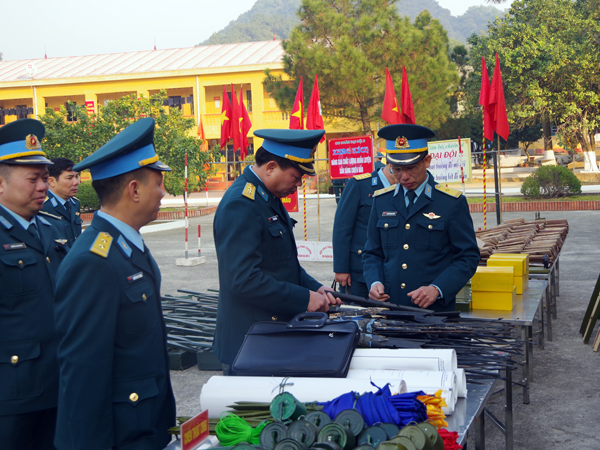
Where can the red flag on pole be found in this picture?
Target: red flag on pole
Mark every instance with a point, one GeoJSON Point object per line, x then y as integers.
{"type": "Point", "coordinates": [225, 120]}
{"type": "Point", "coordinates": [235, 120]}
{"type": "Point", "coordinates": [408, 112]}
{"type": "Point", "coordinates": [297, 117]}
{"type": "Point", "coordinates": [484, 97]}
{"type": "Point", "coordinates": [497, 104]}
{"type": "Point", "coordinates": [245, 125]}
{"type": "Point", "coordinates": [390, 112]}
{"type": "Point", "coordinates": [204, 145]}
{"type": "Point", "coordinates": [314, 116]}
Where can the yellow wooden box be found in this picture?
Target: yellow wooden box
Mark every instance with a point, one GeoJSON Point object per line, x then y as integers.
{"type": "Point", "coordinates": [521, 283]}
{"type": "Point", "coordinates": [496, 279]}
{"type": "Point", "coordinates": [519, 272]}
{"type": "Point", "coordinates": [502, 301]}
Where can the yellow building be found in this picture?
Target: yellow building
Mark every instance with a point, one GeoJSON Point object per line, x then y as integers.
{"type": "Point", "coordinates": [192, 77]}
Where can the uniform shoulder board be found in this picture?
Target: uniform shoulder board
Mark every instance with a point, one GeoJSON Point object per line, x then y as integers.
{"type": "Point", "coordinates": [448, 191]}
{"type": "Point", "coordinates": [249, 191]}
{"type": "Point", "coordinates": [54, 216]}
{"type": "Point", "coordinates": [101, 245]}
{"type": "Point", "coordinates": [384, 190]}
{"type": "Point", "coordinates": [46, 199]}
{"type": "Point", "coordinates": [362, 176]}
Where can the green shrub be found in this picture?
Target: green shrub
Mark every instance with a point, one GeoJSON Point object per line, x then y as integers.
{"type": "Point", "coordinates": [551, 182]}
{"type": "Point", "coordinates": [87, 197]}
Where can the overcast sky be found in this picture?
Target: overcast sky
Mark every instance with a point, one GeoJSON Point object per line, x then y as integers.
{"type": "Point", "coordinates": [88, 27]}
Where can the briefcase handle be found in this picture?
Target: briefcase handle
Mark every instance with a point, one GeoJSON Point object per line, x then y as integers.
{"type": "Point", "coordinates": [308, 320]}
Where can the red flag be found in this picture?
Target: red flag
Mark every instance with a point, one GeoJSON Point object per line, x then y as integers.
{"type": "Point", "coordinates": [484, 97]}
{"type": "Point", "coordinates": [497, 104]}
{"type": "Point", "coordinates": [314, 116]}
{"type": "Point", "coordinates": [245, 125]}
{"type": "Point", "coordinates": [408, 112]}
{"type": "Point", "coordinates": [390, 112]}
{"type": "Point", "coordinates": [225, 120]}
{"type": "Point", "coordinates": [235, 120]}
{"type": "Point", "coordinates": [297, 117]}
{"type": "Point", "coordinates": [204, 145]}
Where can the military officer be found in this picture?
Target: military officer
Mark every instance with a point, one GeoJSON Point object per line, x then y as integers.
{"type": "Point", "coordinates": [115, 390]}
{"type": "Point", "coordinates": [259, 273]}
{"type": "Point", "coordinates": [350, 228]}
{"type": "Point", "coordinates": [61, 201]}
{"type": "Point", "coordinates": [29, 256]}
{"type": "Point", "coordinates": [421, 248]}
{"type": "Point", "coordinates": [378, 161]}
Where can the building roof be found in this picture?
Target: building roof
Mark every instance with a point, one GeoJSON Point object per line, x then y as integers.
{"type": "Point", "coordinates": [203, 57]}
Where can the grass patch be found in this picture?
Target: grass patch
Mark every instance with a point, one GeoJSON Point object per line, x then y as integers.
{"type": "Point", "coordinates": [491, 199]}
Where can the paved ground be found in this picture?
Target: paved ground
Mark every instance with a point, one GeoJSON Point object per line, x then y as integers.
{"type": "Point", "coordinates": [564, 411]}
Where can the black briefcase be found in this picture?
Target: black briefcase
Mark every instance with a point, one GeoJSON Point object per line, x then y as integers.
{"type": "Point", "coordinates": [309, 345]}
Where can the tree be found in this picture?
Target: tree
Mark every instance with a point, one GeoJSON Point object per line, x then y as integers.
{"type": "Point", "coordinates": [349, 43]}
{"type": "Point", "coordinates": [549, 55]}
{"type": "Point", "coordinates": [173, 137]}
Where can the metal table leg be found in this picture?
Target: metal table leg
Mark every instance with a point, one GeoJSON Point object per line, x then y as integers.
{"type": "Point", "coordinates": [542, 336]}
{"type": "Point", "coordinates": [480, 432]}
{"type": "Point", "coordinates": [552, 281]}
{"type": "Point", "coordinates": [509, 411]}
{"type": "Point", "coordinates": [528, 367]}
{"type": "Point", "coordinates": [548, 311]}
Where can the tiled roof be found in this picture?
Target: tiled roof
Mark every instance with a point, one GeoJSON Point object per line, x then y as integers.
{"type": "Point", "coordinates": [204, 57]}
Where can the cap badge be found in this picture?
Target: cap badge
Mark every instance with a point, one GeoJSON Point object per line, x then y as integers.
{"type": "Point", "coordinates": [402, 142]}
{"type": "Point", "coordinates": [31, 142]}
{"type": "Point", "coordinates": [431, 216]}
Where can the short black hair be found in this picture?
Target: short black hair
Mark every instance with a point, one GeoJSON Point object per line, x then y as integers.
{"type": "Point", "coordinates": [109, 190]}
{"type": "Point", "coordinates": [262, 157]}
{"type": "Point", "coordinates": [60, 165]}
{"type": "Point", "coordinates": [6, 170]}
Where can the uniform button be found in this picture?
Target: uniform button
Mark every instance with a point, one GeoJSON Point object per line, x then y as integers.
{"type": "Point", "coordinates": [144, 297]}
{"type": "Point", "coordinates": [47, 259]}
{"type": "Point", "coordinates": [134, 397]}
{"type": "Point", "coordinates": [407, 226]}
{"type": "Point", "coordinates": [360, 252]}
{"type": "Point", "coordinates": [274, 318]}
{"type": "Point", "coordinates": [404, 266]}
{"type": "Point", "coordinates": [281, 233]}
{"type": "Point", "coordinates": [405, 246]}
{"type": "Point", "coordinates": [403, 285]}
{"type": "Point", "coordinates": [20, 263]}
{"type": "Point", "coordinates": [385, 226]}
{"type": "Point", "coordinates": [430, 227]}
{"type": "Point", "coordinates": [14, 359]}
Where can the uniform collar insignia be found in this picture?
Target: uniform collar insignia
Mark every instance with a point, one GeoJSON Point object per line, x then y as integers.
{"type": "Point", "coordinates": [431, 215]}
{"type": "Point", "coordinates": [44, 221]}
{"type": "Point", "coordinates": [54, 202]}
{"type": "Point", "coordinates": [397, 189]}
{"type": "Point", "coordinates": [374, 181]}
{"type": "Point", "coordinates": [5, 223]}
{"type": "Point", "coordinates": [263, 194]}
{"type": "Point", "coordinates": [428, 191]}
{"type": "Point", "coordinates": [125, 248]}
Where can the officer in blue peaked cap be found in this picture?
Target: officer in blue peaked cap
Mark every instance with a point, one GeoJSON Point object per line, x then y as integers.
{"type": "Point", "coordinates": [31, 248]}
{"type": "Point", "coordinates": [108, 308]}
{"type": "Point", "coordinates": [421, 248]}
{"type": "Point", "coordinates": [254, 233]}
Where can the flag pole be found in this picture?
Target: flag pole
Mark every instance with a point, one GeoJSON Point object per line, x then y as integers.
{"type": "Point", "coordinates": [499, 202]}
{"type": "Point", "coordinates": [484, 184]}
{"type": "Point", "coordinates": [304, 203]}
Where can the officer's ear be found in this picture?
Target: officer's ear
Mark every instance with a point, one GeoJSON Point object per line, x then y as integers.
{"type": "Point", "coordinates": [271, 166]}
{"type": "Point", "coordinates": [427, 161]}
{"type": "Point", "coordinates": [52, 182]}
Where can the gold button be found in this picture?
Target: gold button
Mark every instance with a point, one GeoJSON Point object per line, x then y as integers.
{"type": "Point", "coordinates": [403, 285]}
{"type": "Point", "coordinates": [144, 297]}
{"type": "Point", "coordinates": [407, 226]}
{"type": "Point", "coordinates": [359, 252]}
{"type": "Point", "coordinates": [404, 266]}
{"type": "Point", "coordinates": [20, 263]}
{"type": "Point", "coordinates": [430, 227]}
{"type": "Point", "coordinates": [386, 225]}
{"type": "Point", "coordinates": [405, 246]}
{"type": "Point", "coordinates": [47, 259]}
{"type": "Point", "coordinates": [274, 318]}
{"type": "Point", "coordinates": [14, 359]}
{"type": "Point", "coordinates": [134, 397]}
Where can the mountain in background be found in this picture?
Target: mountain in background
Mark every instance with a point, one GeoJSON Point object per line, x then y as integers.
{"type": "Point", "coordinates": [275, 18]}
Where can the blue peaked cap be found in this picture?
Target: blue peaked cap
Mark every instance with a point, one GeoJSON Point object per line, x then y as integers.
{"type": "Point", "coordinates": [131, 149]}
{"type": "Point", "coordinates": [297, 146]}
{"type": "Point", "coordinates": [405, 144]}
{"type": "Point", "coordinates": [20, 142]}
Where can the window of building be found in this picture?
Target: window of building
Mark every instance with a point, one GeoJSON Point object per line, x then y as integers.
{"type": "Point", "coordinates": [71, 116]}
{"type": "Point", "coordinates": [249, 100]}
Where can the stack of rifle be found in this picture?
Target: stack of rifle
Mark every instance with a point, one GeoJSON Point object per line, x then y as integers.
{"type": "Point", "coordinates": [541, 239]}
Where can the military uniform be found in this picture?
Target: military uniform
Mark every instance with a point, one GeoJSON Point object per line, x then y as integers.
{"type": "Point", "coordinates": [259, 273]}
{"type": "Point", "coordinates": [350, 229]}
{"type": "Point", "coordinates": [434, 244]}
{"type": "Point", "coordinates": [71, 218]}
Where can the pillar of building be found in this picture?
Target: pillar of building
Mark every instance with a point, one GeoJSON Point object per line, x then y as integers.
{"type": "Point", "coordinates": [91, 103]}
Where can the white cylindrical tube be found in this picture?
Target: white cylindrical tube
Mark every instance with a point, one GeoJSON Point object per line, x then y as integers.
{"type": "Point", "coordinates": [461, 383]}
{"type": "Point", "coordinates": [404, 359]}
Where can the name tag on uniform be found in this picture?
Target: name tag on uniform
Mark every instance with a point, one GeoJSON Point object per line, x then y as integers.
{"type": "Point", "coordinates": [15, 246]}
{"type": "Point", "coordinates": [136, 277]}
{"type": "Point", "coordinates": [389, 214]}
{"type": "Point", "coordinates": [273, 219]}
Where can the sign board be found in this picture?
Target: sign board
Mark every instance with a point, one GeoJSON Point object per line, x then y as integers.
{"type": "Point", "coordinates": [194, 431]}
{"type": "Point", "coordinates": [350, 156]}
{"type": "Point", "coordinates": [324, 251]}
{"type": "Point", "coordinates": [290, 202]}
{"type": "Point", "coordinates": [90, 107]}
{"type": "Point", "coordinates": [447, 159]}
{"type": "Point", "coordinates": [314, 251]}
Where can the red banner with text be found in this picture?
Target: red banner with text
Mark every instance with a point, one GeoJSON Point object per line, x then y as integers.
{"type": "Point", "coordinates": [350, 156]}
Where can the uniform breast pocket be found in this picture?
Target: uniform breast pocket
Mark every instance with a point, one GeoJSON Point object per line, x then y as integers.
{"type": "Point", "coordinates": [135, 408]}
{"type": "Point", "coordinates": [18, 274]}
{"type": "Point", "coordinates": [277, 246]}
{"type": "Point", "coordinates": [18, 370]}
{"type": "Point", "coordinates": [388, 230]}
{"type": "Point", "coordinates": [140, 312]}
{"type": "Point", "coordinates": [431, 235]}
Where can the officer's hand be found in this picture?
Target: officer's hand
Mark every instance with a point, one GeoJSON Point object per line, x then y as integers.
{"type": "Point", "coordinates": [317, 302]}
{"type": "Point", "coordinates": [343, 279]}
{"type": "Point", "coordinates": [424, 296]}
{"type": "Point", "coordinates": [377, 292]}
{"type": "Point", "coordinates": [323, 290]}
